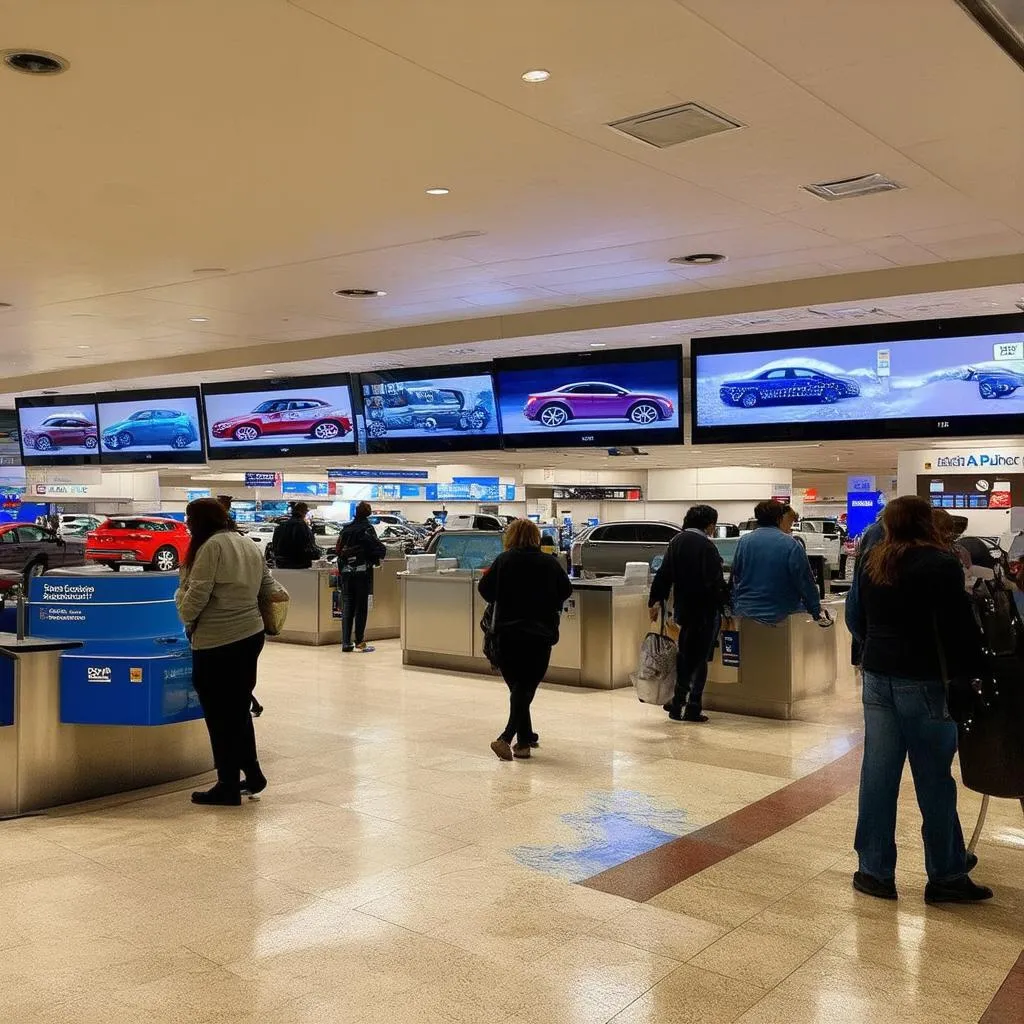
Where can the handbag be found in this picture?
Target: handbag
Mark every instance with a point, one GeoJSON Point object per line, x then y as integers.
{"type": "Point", "coordinates": [488, 623]}
{"type": "Point", "coordinates": [274, 611]}
{"type": "Point", "coordinates": [655, 677]}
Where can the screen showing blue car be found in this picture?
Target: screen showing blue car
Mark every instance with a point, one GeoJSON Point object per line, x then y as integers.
{"type": "Point", "coordinates": [960, 382]}
{"type": "Point", "coordinates": [150, 426]}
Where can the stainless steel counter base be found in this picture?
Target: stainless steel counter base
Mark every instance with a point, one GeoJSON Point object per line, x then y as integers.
{"type": "Point", "coordinates": [384, 622]}
{"type": "Point", "coordinates": [44, 763]}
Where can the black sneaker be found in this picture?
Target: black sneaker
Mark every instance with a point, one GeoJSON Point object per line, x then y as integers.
{"type": "Point", "coordinates": [959, 890]}
{"type": "Point", "coordinates": [219, 796]}
{"type": "Point", "coordinates": [255, 782]}
{"type": "Point", "coordinates": [347, 650]}
{"type": "Point", "coordinates": [534, 740]}
{"type": "Point", "coordinates": [667, 707]}
{"type": "Point", "coordinates": [694, 716]}
{"type": "Point", "coordinates": [871, 886]}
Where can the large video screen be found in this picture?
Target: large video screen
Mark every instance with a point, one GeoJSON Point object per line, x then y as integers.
{"type": "Point", "coordinates": [432, 409]}
{"type": "Point", "coordinates": [141, 427]}
{"type": "Point", "coordinates": [267, 418]}
{"type": "Point", "coordinates": [591, 399]}
{"type": "Point", "coordinates": [944, 377]}
{"type": "Point", "coordinates": [58, 430]}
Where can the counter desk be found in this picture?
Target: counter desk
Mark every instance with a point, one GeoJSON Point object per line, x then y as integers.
{"type": "Point", "coordinates": [602, 626]}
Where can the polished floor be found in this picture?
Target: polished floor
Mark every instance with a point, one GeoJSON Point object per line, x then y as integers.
{"type": "Point", "coordinates": [634, 871]}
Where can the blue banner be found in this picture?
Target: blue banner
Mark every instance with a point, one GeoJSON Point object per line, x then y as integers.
{"type": "Point", "coordinates": [481, 488]}
{"type": "Point", "coordinates": [373, 474]}
{"type": "Point", "coordinates": [306, 488]}
{"type": "Point", "coordinates": [261, 479]}
{"type": "Point", "coordinates": [862, 509]}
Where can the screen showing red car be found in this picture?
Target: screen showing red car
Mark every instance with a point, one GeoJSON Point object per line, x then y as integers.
{"type": "Point", "coordinates": [56, 429]}
{"type": "Point", "coordinates": [297, 414]}
{"type": "Point", "coordinates": [607, 399]}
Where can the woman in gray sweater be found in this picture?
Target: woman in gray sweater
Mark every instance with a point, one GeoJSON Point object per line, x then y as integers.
{"type": "Point", "coordinates": [223, 580]}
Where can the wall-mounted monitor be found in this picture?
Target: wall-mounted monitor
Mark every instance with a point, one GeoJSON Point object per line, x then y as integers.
{"type": "Point", "coordinates": [591, 399]}
{"type": "Point", "coordinates": [939, 378]}
{"type": "Point", "coordinates": [431, 409]}
{"type": "Point", "coordinates": [150, 427]}
{"type": "Point", "coordinates": [280, 417]}
{"type": "Point", "coordinates": [58, 430]}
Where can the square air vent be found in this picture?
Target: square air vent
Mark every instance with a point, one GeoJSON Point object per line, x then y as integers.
{"type": "Point", "coordinates": [850, 188]}
{"type": "Point", "coordinates": [673, 125]}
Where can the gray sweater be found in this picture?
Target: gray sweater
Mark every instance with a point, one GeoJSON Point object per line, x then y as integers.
{"type": "Point", "coordinates": [218, 599]}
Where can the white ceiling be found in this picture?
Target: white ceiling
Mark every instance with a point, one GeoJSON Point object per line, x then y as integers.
{"type": "Point", "coordinates": [290, 143]}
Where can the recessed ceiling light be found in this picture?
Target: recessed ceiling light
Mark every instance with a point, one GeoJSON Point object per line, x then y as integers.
{"type": "Point", "coordinates": [34, 62]}
{"type": "Point", "coordinates": [700, 258]}
{"type": "Point", "coordinates": [438, 190]}
{"type": "Point", "coordinates": [270, 371]}
{"type": "Point", "coordinates": [359, 293]}
{"type": "Point", "coordinates": [83, 346]}
{"type": "Point", "coordinates": [199, 319]}
{"type": "Point", "coordinates": [597, 344]}
{"type": "Point", "coordinates": [536, 76]}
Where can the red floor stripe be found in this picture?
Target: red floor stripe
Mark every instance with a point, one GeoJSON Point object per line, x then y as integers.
{"type": "Point", "coordinates": [1008, 1005]}
{"type": "Point", "coordinates": [645, 876]}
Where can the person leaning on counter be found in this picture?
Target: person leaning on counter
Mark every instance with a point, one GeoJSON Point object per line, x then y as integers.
{"type": "Point", "coordinates": [294, 545]}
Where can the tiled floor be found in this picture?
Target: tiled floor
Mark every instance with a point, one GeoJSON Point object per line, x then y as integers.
{"type": "Point", "coordinates": [396, 871]}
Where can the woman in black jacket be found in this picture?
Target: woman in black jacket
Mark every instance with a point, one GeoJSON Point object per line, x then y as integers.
{"type": "Point", "coordinates": [915, 620]}
{"type": "Point", "coordinates": [528, 589]}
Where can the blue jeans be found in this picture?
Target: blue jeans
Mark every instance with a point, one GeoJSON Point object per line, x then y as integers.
{"type": "Point", "coordinates": [908, 717]}
{"type": "Point", "coordinates": [696, 646]}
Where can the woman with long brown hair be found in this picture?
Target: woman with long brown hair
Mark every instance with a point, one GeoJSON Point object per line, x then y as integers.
{"type": "Point", "coordinates": [527, 589]}
{"type": "Point", "coordinates": [223, 579]}
{"type": "Point", "coordinates": [918, 632]}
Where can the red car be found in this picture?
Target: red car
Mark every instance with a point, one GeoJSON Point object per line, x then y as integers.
{"type": "Point", "coordinates": [311, 416]}
{"type": "Point", "coordinates": [60, 430]}
{"type": "Point", "coordinates": [595, 400]}
{"type": "Point", "coordinates": [149, 541]}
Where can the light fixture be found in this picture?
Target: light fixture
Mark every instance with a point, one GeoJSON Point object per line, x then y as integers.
{"type": "Point", "coordinates": [597, 344]}
{"type": "Point", "coordinates": [34, 62]}
{"type": "Point", "coordinates": [535, 76]}
{"type": "Point", "coordinates": [83, 346]}
{"type": "Point", "coordinates": [438, 190]}
{"type": "Point", "coordinates": [359, 293]}
{"type": "Point", "coordinates": [700, 259]}
{"type": "Point", "coordinates": [268, 372]}
{"type": "Point", "coordinates": [199, 319]}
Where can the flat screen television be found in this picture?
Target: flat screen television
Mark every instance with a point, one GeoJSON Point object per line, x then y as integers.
{"type": "Point", "coordinates": [430, 409]}
{"type": "Point", "coordinates": [163, 425]}
{"type": "Point", "coordinates": [939, 378]}
{"type": "Point", "coordinates": [58, 430]}
{"type": "Point", "coordinates": [591, 399]}
{"type": "Point", "coordinates": [279, 417]}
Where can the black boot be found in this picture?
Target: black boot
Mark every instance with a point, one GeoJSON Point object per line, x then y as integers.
{"type": "Point", "coordinates": [255, 781]}
{"type": "Point", "coordinates": [960, 890]}
{"type": "Point", "coordinates": [221, 795]}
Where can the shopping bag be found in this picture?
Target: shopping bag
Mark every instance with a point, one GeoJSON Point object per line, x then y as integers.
{"type": "Point", "coordinates": [655, 677]}
{"type": "Point", "coordinates": [274, 610]}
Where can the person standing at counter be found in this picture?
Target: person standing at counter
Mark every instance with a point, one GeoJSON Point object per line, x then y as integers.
{"type": "Point", "coordinates": [918, 629]}
{"type": "Point", "coordinates": [294, 545]}
{"type": "Point", "coordinates": [359, 550]}
{"type": "Point", "coordinates": [223, 579]}
{"type": "Point", "coordinates": [527, 589]}
{"type": "Point", "coordinates": [692, 572]}
{"type": "Point", "coordinates": [771, 577]}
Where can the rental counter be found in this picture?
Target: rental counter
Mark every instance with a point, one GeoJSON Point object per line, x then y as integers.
{"type": "Point", "coordinates": [602, 626]}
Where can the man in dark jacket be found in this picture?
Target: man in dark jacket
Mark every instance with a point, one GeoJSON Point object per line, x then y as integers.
{"type": "Point", "coordinates": [294, 545]}
{"type": "Point", "coordinates": [359, 550]}
{"type": "Point", "coordinates": [692, 572]}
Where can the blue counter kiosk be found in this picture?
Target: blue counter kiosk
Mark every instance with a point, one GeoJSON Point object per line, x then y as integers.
{"type": "Point", "coordinates": [99, 696]}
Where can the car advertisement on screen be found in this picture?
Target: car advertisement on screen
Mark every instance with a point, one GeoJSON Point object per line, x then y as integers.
{"type": "Point", "coordinates": [54, 429]}
{"type": "Point", "coordinates": [616, 399]}
{"type": "Point", "coordinates": [155, 426]}
{"type": "Point", "coordinates": [314, 415]}
{"type": "Point", "coordinates": [935, 384]}
{"type": "Point", "coordinates": [419, 411]}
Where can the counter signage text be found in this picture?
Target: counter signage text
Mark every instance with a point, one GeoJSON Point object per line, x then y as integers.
{"type": "Point", "coordinates": [977, 460]}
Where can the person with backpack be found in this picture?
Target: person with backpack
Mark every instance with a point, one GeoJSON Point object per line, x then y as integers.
{"type": "Point", "coordinates": [526, 590]}
{"type": "Point", "coordinates": [914, 618]}
{"type": "Point", "coordinates": [359, 551]}
{"type": "Point", "coordinates": [294, 545]}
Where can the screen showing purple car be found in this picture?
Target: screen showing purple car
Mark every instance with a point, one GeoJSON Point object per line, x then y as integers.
{"type": "Point", "coordinates": [611, 399]}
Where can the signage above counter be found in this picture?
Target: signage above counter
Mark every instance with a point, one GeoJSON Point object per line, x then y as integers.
{"type": "Point", "coordinates": [305, 488]}
{"type": "Point", "coordinates": [596, 493]}
{"type": "Point", "coordinates": [262, 479]}
{"type": "Point", "coordinates": [374, 474]}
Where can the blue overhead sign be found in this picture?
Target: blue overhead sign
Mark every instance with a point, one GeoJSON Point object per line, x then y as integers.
{"type": "Point", "coordinates": [305, 488]}
{"type": "Point", "coordinates": [261, 479]}
{"type": "Point", "coordinates": [374, 474]}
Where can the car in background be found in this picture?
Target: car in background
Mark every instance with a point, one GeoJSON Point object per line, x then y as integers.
{"type": "Point", "coordinates": [475, 521]}
{"type": "Point", "coordinates": [995, 383]}
{"type": "Point", "coordinates": [422, 408]}
{"type": "Point", "coordinates": [261, 534]}
{"type": "Point", "coordinates": [149, 427]}
{"type": "Point", "coordinates": [596, 400]}
{"type": "Point", "coordinates": [604, 550]}
{"type": "Point", "coordinates": [78, 524]}
{"type": "Point", "coordinates": [31, 550]}
{"type": "Point", "coordinates": [823, 536]}
{"type": "Point", "coordinates": [150, 541]}
{"type": "Point", "coordinates": [786, 386]}
{"type": "Point", "coordinates": [472, 549]}
{"type": "Point", "coordinates": [311, 416]}
{"type": "Point", "coordinates": [61, 430]}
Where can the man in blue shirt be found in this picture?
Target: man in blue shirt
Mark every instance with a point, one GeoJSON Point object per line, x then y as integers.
{"type": "Point", "coordinates": [771, 577]}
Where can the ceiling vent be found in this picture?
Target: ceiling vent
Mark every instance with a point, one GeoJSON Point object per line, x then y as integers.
{"type": "Point", "coordinates": [673, 125]}
{"type": "Point", "coordinates": [851, 188]}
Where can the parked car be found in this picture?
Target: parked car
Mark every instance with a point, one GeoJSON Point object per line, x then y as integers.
{"type": "Point", "coordinates": [604, 550]}
{"type": "Point", "coordinates": [423, 408]}
{"type": "Point", "coordinates": [822, 536]}
{"type": "Point", "coordinates": [31, 550]}
{"type": "Point", "coordinates": [151, 427]}
{"type": "Point", "coordinates": [77, 524]}
{"type": "Point", "coordinates": [595, 400]}
{"type": "Point", "coordinates": [473, 549]}
{"type": "Point", "coordinates": [61, 430]}
{"type": "Point", "coordinates": [995, 383]}
{"type": "Point", "coordinates": [311, 416]}
{"type": "Point", "coordinates": [261, 534]}
{"type": "Point", "coordinates": [475, 521]}
{"type": "Point", "coordinates": [149, 541]}
{"type": "Point", "coordinates": [786, 385]}
{"type": "Point", "coordinates": [390, 518]}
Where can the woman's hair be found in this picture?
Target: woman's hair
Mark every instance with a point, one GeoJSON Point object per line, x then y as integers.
{"type": "Point", "coordinates": [908, 523]}
{"type": "Point", "coordinates": [204, 517]}
{"type": "Point", "coordinates": [522, 533]}
{"type": "Point", "coordinates": [363, 510]}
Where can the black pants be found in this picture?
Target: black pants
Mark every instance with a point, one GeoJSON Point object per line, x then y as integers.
{"type": "Point", "coordinates": [524, 662]}
{"type": "Point", "coordinates": [696, 645]}
{"type": "Point", "coordinates": [355, 600]}
{"type": "Point", "coordinates": [224, 678]}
